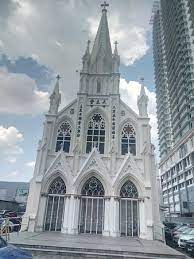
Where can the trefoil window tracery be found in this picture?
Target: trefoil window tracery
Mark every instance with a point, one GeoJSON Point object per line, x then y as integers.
{"type": "Point", "coordinates": [63, 137]}
{"type": "Point", "coordinates": [128, 140]}
{"type": "Point", "coordinates": [129, 190]}
{"type": "Point", "coordinates": [96, 133]}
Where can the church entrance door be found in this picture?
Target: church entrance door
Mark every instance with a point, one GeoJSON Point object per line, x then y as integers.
{"type": "Point", "coordinates": [55, 205]}
{"type": "Point", "coordinates": [129, 210]}
{"type": "Point", "coordinates": [91, 215]}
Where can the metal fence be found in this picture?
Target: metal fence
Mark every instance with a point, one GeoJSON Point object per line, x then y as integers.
{"type": "Point", "coordinates": [9, 225]}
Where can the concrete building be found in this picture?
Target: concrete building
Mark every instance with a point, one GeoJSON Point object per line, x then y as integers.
{"type": "Point", "coordinates": [95, 169]}
{"type": "Point", "coordinates": [173, 48]}
{"type": "Point", "coordinates": [13, 195]}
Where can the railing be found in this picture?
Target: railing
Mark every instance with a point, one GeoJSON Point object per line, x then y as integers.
{"type": "Point", "coordinates": [10, 224]}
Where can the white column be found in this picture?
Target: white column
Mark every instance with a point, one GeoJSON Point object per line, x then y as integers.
{"type": "Point", "coordinates": [41, 213]}
{"type": "Point", "coordinates": [149, 219]}
{"type": "Point", "coordinates": [142, 220]}
{"type": "Point", "coordinates": [74, 215]}
{"type": "Point", "coordinates": [30, 216]}
{"type": "Point", "coordinates": [106, 231]}
{"type": "Point", "coordinates": [114, 217]}
{"type": "Point", "coordinates": [66, 215]}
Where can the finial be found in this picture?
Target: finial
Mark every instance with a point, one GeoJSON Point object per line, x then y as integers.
{"type": "Point", "coordinates": [116, 43]}
{"type": "Point", "coordinates": [89, 43]}
{"type": "Point", "coordinates": [88, 46]}
{"type": "Point", "coordinates": [104, 5]}
{"type": "Point", "coordinates": [142, 79]}
{"type": "Point", "coordinates": [142, 91]}
{"type": "Point", "coordinates": [58, 77]}
{"type": "Point", "coordinates": [115, 51]}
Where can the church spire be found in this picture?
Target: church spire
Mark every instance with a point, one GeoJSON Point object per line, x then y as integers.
{"type": "Point", "coordinates": [86, 58]}
{"type": "Point", "coordinates": [142, 101]}
{"type": "Point", "coordinates": [55, 98]}
{"type": "Point", "coordinates": [116, 59]}
{"type": "Point", "coordinates": [101, 56]}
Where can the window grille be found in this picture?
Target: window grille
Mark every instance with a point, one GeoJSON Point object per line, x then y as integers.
{"type": "Point", "coordinates": [63, 137]}
{"type": "Point", "coordinates": [128, 140]}
{"type": "Point", "coordinates": [96, 133]}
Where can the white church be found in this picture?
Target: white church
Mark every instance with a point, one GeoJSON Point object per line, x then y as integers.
{"type": "Point", "coordinates": [95, 169]}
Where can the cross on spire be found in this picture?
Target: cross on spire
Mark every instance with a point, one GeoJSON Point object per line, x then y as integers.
{"type": "Point", "coordinates": [58, 77]}
{"type": "Point", "coordinates": [142, 79]}
{"type": "Point", "coordinates": [104, 5]}
{"type": "Point", "coordinates": [88, 43]}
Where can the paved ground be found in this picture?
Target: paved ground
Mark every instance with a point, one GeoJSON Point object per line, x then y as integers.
{"type": "Point", "coordinates": [95, 243]}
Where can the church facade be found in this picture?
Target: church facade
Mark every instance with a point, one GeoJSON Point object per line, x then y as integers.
{"type": "Point", "coordinates": [95, 168]}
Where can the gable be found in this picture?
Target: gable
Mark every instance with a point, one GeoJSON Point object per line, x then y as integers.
{"type": "Point", "coordinates": [69, 110]}
{"type": "Point", "coordinates": [129, 113]}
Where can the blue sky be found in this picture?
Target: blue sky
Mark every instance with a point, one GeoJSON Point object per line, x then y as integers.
{"type": "Point", "coordinates": [40, 39]}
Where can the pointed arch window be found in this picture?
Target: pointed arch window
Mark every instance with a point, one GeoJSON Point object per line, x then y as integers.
{"type": "Point", "coordinates": [96, 133]}
{"type": "Point", "coordinates": [91, 215]}
{"type": "Point", "coordinates": [93, 187]}
{"type": "Point", "coordinates": [128, 190]}
{"type": "Point", "coordinates": [63, 137]}
{"type": "Point", "coordinates": [57, 187]}
{"type": "Point", "coordinates": [129, 210]}
{"type": "Point", "coordinates": [128, 140]}
{"type": "Point", "coordinates": [55, 205]}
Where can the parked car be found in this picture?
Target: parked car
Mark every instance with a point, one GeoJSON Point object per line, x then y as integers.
{"type": "Point", "coordinates": [178, 226]}
{"type": "Point", "coordinates": [185, 236]}
{"type": "Point", "coordinates": [168, 235]}
{"type": "Point", "coordinates": [190, 246]}
{"type": "Point", "coordinates": [170, 225]}
{"type": "Point", "coordinates": [8, 214]}
{"type": "Point", "coordinates": [178, 232]}
{"type": "Point", "coordinates": [9, 251]}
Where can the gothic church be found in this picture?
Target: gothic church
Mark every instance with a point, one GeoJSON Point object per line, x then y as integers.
{"type": "Point", "coordinates": [95, 168]}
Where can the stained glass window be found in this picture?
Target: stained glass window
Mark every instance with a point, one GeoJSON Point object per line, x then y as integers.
{"type": "Point", "coordinates": [55, 205]}
{"type": "Point", "coordinates": [96, 133]}
{"type": "Point", "coordinates": [63, 137]}
{"type": "Point", "coordinates": [129, 190]}
{"type": "Point", "coordinates": [128, 140]}
{"type": "Point", "coordinates": [57, 186]}
{"type": "Point", "coordinates": [93, 187]}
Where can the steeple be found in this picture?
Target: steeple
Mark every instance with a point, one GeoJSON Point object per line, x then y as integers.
{"type": "Point", "coordinates": [142, 101]}
{"type": "Point", "coordinates": [55, 98]}
{"type": "Point", "coordinates": [86, 58]}
{"type": "Point", "coordinates": [101, 56]}
{"type": "Point", "coordinates": [116, 59]}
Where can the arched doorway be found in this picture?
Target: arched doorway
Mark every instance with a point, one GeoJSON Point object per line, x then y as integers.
{"type": "Point", "coordinates": [55, 205]}
{"type": "Point", "coordinates": [91, 215]}
{"type": "Point", "coordinates": [129, 210]}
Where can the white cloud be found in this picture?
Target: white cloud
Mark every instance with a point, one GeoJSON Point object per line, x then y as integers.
{"type": "Point", "coordinates": [19, 94]}
{"type": "Point", "coordinates": [129, 93]}
{"type": "Point", "coordinates": [132, 40]}
{"type": "Point", "coordinates": [1, 44]}
{"type": "Point", "coordinates": [30, 164]}
{"type": "Point", "coordinates": [11, 160]}
{"type": "Point", "coordinates": [10, 140]}
{"type": "Point", "coordinates": [11, 176]}
{"type": "Point", "coordinates": [56, 33]}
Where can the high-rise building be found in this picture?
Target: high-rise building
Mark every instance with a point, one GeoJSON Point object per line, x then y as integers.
{"type": "Point", "coordinates": [173, 48]}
